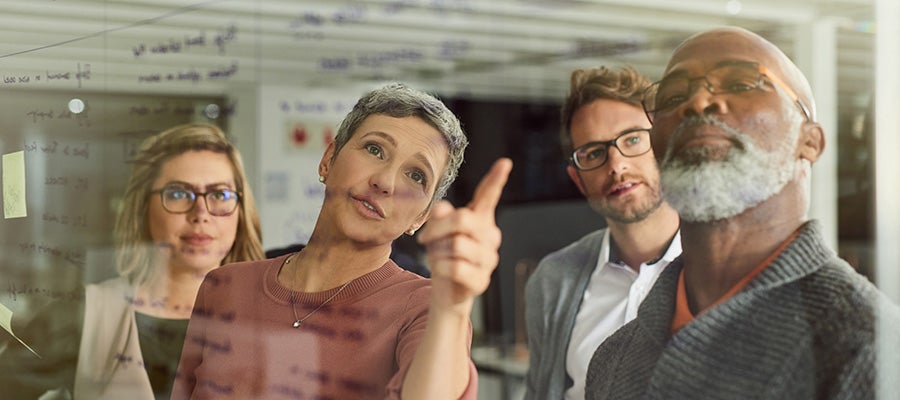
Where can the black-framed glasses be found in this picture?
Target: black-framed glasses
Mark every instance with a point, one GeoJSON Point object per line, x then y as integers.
{"type": "Point", "coordinates": [731, 78]}
{"type": "Point", "coordinates": [179, 200]}
{"type": "Point", "coordinates": [631, 143]}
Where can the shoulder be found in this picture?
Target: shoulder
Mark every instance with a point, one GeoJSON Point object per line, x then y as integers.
{"type": "Point", "coordinates": [405, 283]}
{"type": "Point", "coordinates": [118, 283]}
{"type": "Point", "coordinates": [578, 255]}
{"type": "Point", "coordinates": [841, 288]}
{"type": "Point", "coordinates": [239, 276]}
{"type": "Point", "coordinates": [245, 268]}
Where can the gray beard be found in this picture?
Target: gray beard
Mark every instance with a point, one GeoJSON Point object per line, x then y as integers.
{"type": "Point", "coordinates": [704, 190]}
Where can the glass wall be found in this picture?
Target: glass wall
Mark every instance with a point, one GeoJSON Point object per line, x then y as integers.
{"type": "Point", "coordinates": [83, 82]}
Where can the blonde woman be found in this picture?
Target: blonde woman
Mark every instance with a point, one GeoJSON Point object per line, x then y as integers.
{"type": "Point", "coordinates": [187, 210]}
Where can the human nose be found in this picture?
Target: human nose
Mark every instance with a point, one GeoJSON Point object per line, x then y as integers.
{"type": "Point", "coordinates": [703, 99]}
{"type": "Point", "coordinates": [618, 162]}
{"type": "Point", "coordinates": [200, 210]}
{"type": "Point", "coordinates": [383, 180]}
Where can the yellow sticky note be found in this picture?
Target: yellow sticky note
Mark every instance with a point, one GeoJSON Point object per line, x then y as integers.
{"type": "Point", "coordinates": [6, 323]}
{"type": "Point", "coordinates": [14, 185]}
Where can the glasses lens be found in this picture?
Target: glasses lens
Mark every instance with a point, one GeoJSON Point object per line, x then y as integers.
{"type": "Point", "coordinates": [673, 91]}
{"type": "Point", "coordinates": [737, 78]}
{"type": "Point", "coordinates": [667, 94]}
{"type": "Point", "coordinates": [634, 143]}
{"type": "Point", "coordinates": [222, 202]}
{"type": "Point", "coordinates": [177, 200]}
{"type": "Point", "coordinates": [590, 156]}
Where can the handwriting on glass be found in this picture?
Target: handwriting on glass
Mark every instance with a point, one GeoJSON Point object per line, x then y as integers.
{"type": "Point", "coordinates": [74, 256]}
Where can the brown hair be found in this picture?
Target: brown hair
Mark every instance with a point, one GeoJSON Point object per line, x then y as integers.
{"type": "Point", "coordinates": [587, 85]}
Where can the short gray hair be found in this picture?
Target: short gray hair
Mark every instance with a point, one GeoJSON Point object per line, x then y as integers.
{"type": "Point", "coordinates": [398, 100]}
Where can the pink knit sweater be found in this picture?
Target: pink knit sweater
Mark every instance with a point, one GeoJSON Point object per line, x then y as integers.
{"type": "Point", "coordinates": [240, 343]}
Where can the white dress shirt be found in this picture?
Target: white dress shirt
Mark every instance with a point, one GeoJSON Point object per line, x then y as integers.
{"type": "Point", "coordinates": [611, 300]}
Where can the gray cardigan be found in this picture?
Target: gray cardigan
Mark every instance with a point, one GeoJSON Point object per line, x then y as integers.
{"type": "Point", "coordinates": [803, 329]}
{"type": "Point", "coordinates": [553, 295]}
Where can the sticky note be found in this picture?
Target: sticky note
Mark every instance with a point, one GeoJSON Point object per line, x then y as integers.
{"type": "Point", "coordinates": [14, 185]}
{"type": "Point", "coordinates": [6, 322]}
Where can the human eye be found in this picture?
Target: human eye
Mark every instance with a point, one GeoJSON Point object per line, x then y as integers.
{"type": "Point", "coordinates": [177, 193]}
{"type": "Point", "coordinates": [419, 177]}
{"type": "Point", "coordinates": [631, 139]}
{"type": "Point", "coordinates": [671, 93]}
{"type": "Point", "coordinates": [595, 152]}
{"type": "Point", "coordinates": [223, 195]}
{"type": "Point", "coordinates": [739, 85]}
{"type": "Point", "coordinates": [374, 149]}
{"type": "Point", "coordinates": [738, 79]}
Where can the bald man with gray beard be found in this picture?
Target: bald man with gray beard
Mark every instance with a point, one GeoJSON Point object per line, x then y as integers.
{"type": "Point", "coordinates": [757, 306]}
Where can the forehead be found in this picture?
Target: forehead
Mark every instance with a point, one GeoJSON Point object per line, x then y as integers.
{"type": "Point", "coordinates": [705, 51]}
{"type": "Point", "coordinates": [198, 168]}
{"type": "Point", "coordinates": [604, 119]}
{"type": "Point", "coordinates": [410, 134]}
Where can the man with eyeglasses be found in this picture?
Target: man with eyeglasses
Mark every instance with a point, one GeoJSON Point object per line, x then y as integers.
{"type": "Point", "coordinates": [582, 293]}
{"type": "Point", "coordinates": [757, 306]}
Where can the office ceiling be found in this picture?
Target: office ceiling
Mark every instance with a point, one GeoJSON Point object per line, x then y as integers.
{"type": "Point", "coordinates": [505, 49]}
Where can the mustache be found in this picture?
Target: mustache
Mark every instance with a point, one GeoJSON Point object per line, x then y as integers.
{"type": "Point", "coordinates": [693, 121]}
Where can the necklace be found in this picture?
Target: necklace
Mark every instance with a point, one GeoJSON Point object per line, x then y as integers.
{"type": "Point", "coordinates": [298, 321]}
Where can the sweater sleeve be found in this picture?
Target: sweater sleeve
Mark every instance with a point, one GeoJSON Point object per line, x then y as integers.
{"type": "Point", "coordinates": [534, 331]}
{"type": "Point", "coordinates": [411, 334]}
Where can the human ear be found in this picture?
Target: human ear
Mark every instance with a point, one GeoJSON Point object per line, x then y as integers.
{"type": "Point", "coordinates": [576, 178]}
{"type": "Point", "coordinates": [325, 163]}
{"type": "Point", "coordinates": [812, 141]}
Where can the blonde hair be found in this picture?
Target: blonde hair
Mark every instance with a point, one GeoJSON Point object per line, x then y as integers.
{"type": "Point", "coordinates": [134, 257]}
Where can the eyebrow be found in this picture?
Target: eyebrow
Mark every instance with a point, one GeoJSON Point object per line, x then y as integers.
{"type": "Point", "coordinates": [633, 128]}
{"type": "Point", "coordinates": [419, 156]}
{"type": "Point", "coordinates": [214, 185]}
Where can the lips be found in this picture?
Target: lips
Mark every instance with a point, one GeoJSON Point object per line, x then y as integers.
{"type": "Point", "coordinates": [197, 239]}
{"type": "Point", "coordinates": [369, 207]}
{"type": "Point", "coordinates": [703, 134]}
{"type": "Point", "coordinates": [622, 188]}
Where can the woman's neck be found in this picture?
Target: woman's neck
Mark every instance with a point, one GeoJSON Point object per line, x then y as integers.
{"type": "Point", "coordinates": [322, 266]}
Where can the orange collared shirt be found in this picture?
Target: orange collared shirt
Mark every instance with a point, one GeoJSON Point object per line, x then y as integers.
{"type": "Point", "coordinates": [683, 314]}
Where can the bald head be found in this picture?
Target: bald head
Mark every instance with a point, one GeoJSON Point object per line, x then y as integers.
{"type": "Point", "coordinates": [742, 44]}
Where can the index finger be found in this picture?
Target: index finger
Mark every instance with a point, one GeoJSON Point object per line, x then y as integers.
{"type": "Point", "coordinates": [488, 192]}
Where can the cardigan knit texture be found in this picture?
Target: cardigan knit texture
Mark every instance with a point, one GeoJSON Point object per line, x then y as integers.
{"type": "Point", "coordinates": [804, 328]}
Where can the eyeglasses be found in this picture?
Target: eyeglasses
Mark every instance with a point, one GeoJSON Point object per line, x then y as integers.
{"type": "Point", "coordinates": [178, 200]}
{"type": "Point", "coordinates": [592, 155]}
{"type": "Point", "coordinates": [732, 78]}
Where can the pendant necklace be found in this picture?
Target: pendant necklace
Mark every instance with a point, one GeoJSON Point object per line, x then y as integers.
{"type": "Point", "coordinates": [298, 321]}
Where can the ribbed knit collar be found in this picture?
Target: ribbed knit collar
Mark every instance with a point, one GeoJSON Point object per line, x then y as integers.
{"type": "Point", "coordinates": [806, 254]}
{"type": "Point", "coordinates": [281, 294]}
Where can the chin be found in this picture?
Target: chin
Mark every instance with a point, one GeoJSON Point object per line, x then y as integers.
{"type": "Point", "coordinates": [198, 261]}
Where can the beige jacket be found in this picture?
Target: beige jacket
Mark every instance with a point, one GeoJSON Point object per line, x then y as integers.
{"type": "Point", "coordinates": [110, 365]}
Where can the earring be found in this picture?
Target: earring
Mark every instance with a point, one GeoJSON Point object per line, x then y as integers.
{"type": "Point", "coordinates": [321, 179]}
{"type": "Point", "coordinates": [411, 231]}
